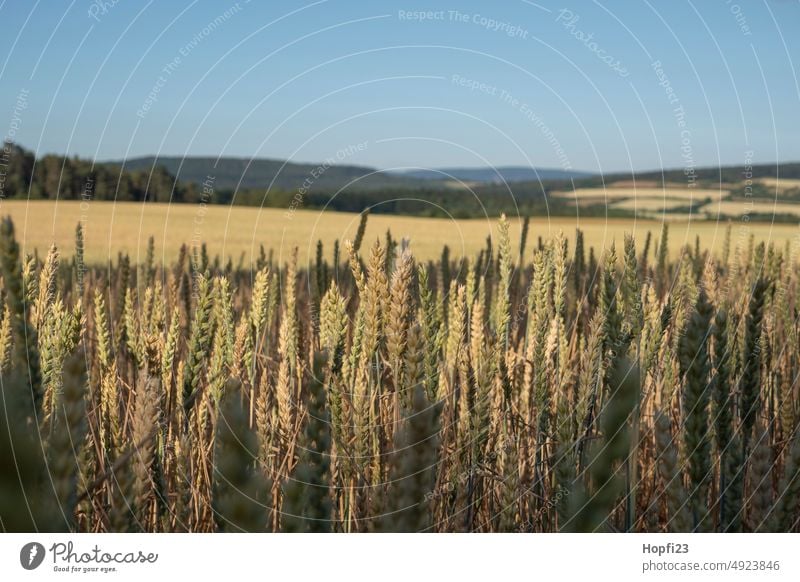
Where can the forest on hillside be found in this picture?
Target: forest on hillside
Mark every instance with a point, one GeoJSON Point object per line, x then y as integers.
{"type": "Point", "coordinates": [54, 177]}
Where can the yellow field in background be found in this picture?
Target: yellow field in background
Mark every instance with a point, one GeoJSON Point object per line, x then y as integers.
{"type": "Point", "coordinates": [697, 195]}
{"type": "Point", "coordinates": [649, 204]}
{"type": "Point", "coordinates": [231, 231]}
{"type": "Point", "coordinates": [734, 207]}
{"type": "Point", "coordinates": [780, 184]}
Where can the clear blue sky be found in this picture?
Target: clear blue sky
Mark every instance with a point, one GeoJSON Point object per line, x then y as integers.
{"type": "Point", "coordinates": [304, 81]}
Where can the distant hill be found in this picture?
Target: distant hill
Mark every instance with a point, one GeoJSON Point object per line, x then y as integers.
{"type": "Point", "coordinates": [707, 177]}
{"type": "Point", "coordinates": [786, 170]}
{"type": "Point", "coordinates": [230, 173]}
{"type": "Point", "coordinates": [421, 193]}
{"type": "Point", "coordinates": [494, 175]}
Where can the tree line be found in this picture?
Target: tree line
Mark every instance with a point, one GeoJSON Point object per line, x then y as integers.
{"type": "Point", "coordinates": [53, 177]}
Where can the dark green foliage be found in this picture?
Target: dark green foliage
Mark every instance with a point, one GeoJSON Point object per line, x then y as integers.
{"type": "Point", "coordinates": [240, 490]}
{"type": "Point", "coordinates": [723, 402]}
{"type": "Point", "coordinates": [68, 431]}
{"type": "Point", "coordinates": [25, 504]}
{"type": "Point", "coordinates": [722, 412]}
{"type": "Point", "coordinates": [661, 259]}
{"type": "Point", "coordinates": [696, 397]}
{"type": "Point", "coordinates": [412, 473]}
{"type": "Point", "coordinates": [750, 386]}
{"type": "Point", "coordinates": [307, 505]}
{"type": "Point", "coordinates": [523, 238]}
{"type": "Point", "coordinates": [645, 253]}
{"type": "Point", "coordinates": [783, 516]}
{"type": "Point", "coordinates": [579, 264]}
{"type": "Point", "coordinates": [591, 508]}
{"type": "Point", "coordinates": [65, 178]}
{"type": "Point", "coordinates": [733, 464]}
{"type": "Point", "coordinates": [24, 337]}
{"type": "Point", "coordinates": [445, 269]}
{"type": "Point", "coordinates": [362, 228]}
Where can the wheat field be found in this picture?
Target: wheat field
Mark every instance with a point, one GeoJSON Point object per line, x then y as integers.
{"type": "Point", "coordinates": [644, 193]}
{"type": "Point", "coordinates": [652, 205]}
{"type": "Point", "coordinates": [779, 184]}
{"type": "Point", "coordinates": [534, 385]}
{"type": "Point", "coordinates": [238, 233]}
{"type": "Point", "coordinates": [763, 207]}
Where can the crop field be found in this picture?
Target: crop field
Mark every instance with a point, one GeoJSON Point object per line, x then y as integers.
{"type": "Point", "coordinates": [638, 193]}
{"type": "Point", "coordinates": [780, 183]}
{"type": "Point", "coordinates": [650, 204]}
{"type": "Point", "coordinates": [762, 207]}
{"type": "Point", "coordinates": [237, 233]}
{"type": "Point", "coordinates": [532, 385]}
{"type": "Point", "coordinates": [646, 202]}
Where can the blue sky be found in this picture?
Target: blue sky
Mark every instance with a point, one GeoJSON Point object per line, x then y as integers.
{"type": "Point", "coordinates": [597, 86]}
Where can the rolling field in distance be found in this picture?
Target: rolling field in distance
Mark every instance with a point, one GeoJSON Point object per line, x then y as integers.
{"type": "Point", "coordinates": [230, 231]}
{"type": "Point", "coordinates": [767, 207]}
{"type": "Point", "coordinates": [640, 193]}
{"type": "Point", "coordinates": [780, 184]}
